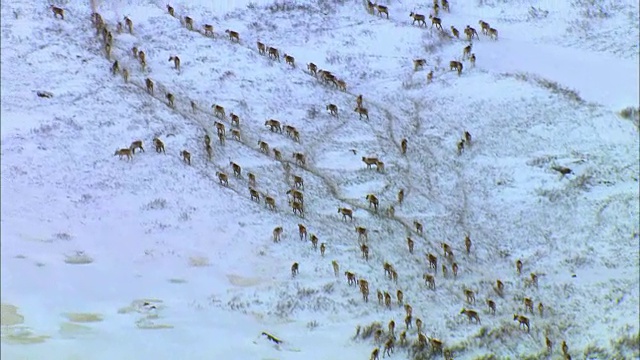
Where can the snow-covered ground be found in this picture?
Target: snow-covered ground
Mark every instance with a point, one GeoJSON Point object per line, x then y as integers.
{"type": "Point", "coordinates": [105, 258]}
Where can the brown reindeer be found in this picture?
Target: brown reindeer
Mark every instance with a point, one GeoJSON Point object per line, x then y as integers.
{"type": "Point", "coordinates": [194, 106]}
{"type": "Point", "coordinates": [314, 241]}
{"type": "Point", "coordinates": [220, 128]}
{"type": "Point", "coordinates": [419, 64]}
{"type": "Point", "coordinates": [549, 344]}
{"type": "Point", "coordinates": [362, 112]}
{"type": "Point", "coordinates": [298, 182]}
{"type": "Point", "coordinates": [430, 281]}
{"type": "Point", "coordinates": [470, 296]}
{"type": "Point", "coordinates": [264, 147]}
{"type": "Point", "coordinates": [171, 99]}
{"type": "Point", "coordinates": [472, 60]}
{"type": "Point", "coordinates": [519, 267]}
{"type": "Point", "coordinates": [499, 287]}
{"type": "Point", "coordinates": [467, 51]}
{"type": "Point", "coordinates": [295, 269]}
{"type": "Point", "coordinates": [436, 21]}
{"type": "Point", "coordinates": [262, 48]}
{"type": "Point", "coordinates": [346, 213]}
{"type": "Point", "coordinates": [400, 297]}
{"type": "Point", "coordinates": [370, 161]}
{"type": "Point", "coordinates": [400, 196]}
{"type": "Point", "coordinates": [418, 227]}
{"type": "Point", "coordinates": [333, 109]}
{"type": "Point", "coordinates": [541, 309]}
{"type": "Point", "coordinates": [277, 233]}
{"type": "Point", "coordinates": [382, 10]}
{"type": "Point", "coordinates": [455, 32]}
{"type": "Point", "coordinates": [290, 60]}
{"type": "Point", "coordinates": [436, 345]}
{"type": "Point", "coordinates": [188, 22]}
{"type": "Point", "coordinates": [373, 201]}
{"type": "Point", "coordinates": [419, 18]}
{"type": "Point", "coordinates": [370, 7]}
{"type": "Point", "coordinates": [408, 310]}
{"type": "Point", "coordinates": [565, 347]}
{"type": "Point", "coordinates": [208, 30]}
{"type": "Point", "coordinates": [433, 261]}
{"type": "Point", "coordinates": [186, 156]}
{"type": "Point", "coordinates": [380, 297]}
{"type": "Point", "coordinates": [223, 178]}
{"type": "Point", "coordinates": [107, 50]}
{"type": "Point", "coordinates": [124, 152]}
{"type": "Point", "coordinates": [467, 138]}
{"type": "Point", "coordinates": [313, 69]}
{"type": "Point", "coordinates": [456, 65]}
{"type": "Point", "coordinates": [209, 151]}
{"type": "Point", "coordinates": [364, 249]}
{"type": "Point", "coordinates": [323, 248]}
{"type": "Point", "coordinates": [387, 299]}
{"type": "Point", "coordinates": [492, 306]}
{"type": "Point", "coordinates": [362, 233]}
{"type": "Point", "coordinates": [296, 195]}
{"type": "Point", "coordinates": [351, 278]}
{"type": "Point", "coordinates": [493, 34]}
{"type": "Point", "coordinates": [235, 134]}
{"type": "Point", "coordinates": [471, 315]}
{"type": "Point", "coordinates": [470, 33]}
{"type": "Point", "coordinates": [388, 347]}
{"type": "Point", "coordinates": [336, 267]}
{"type": "Point", "coordinates": [300, 158]}
{"type": "Point", "coordinates": [484, 26]}
{"type": "Point", "coordinates": [233, 35]}
{"type": "Point", "coordinates": [270, 202]}
{"type": "Point", "coordinates": [176, 62]}
{"type": "Point", "coordinates": [419, 326]}
{"type": "Point", "coordinates": [171, 11]}
{"type": "Point", "coordinates": [237, 170]}
{"type": "Point", "coordinates": [277, 154]}
{"type": "Point", "coordinates": [375, 354]}
{"type": "Point", "coordinates": [149, 83]}
{"type": "Point", "coordinates": [445, 5]}
{"type": "Point", "coordinates": [359, 101]}
{"type": "Point", "coordinates": [523, 321]}
{"type": "Point", "coordinates": [403, 146]}
{"type": "Point", "coordinates": [460, 147]}
{"type": "Point", "coordinates": [218, 111]}
{"type": "Point", "coordinates": [159, 145]}
{"type": "Point", "coordinates": [115, 67]}
{"type": "Point", "coordinates": [207, 140]}
{"type": "Point", "coordinates": [528, 305]}
{"type": "Point", "coordinates": [410, 245]}
{"type": "Point", "coordinates": [297, 208]}
{"type": "Point", "coordinates": [447, 250]}
{"type": "Point", "coordinates": [129, 24]}
{"type": "Point", "coordinates": [534, 279]}
{"type": "Point", "coordinates": [125, 75]}
{"type": "Point", "coordinates": [57, 12]}
{"type": "Point", "coordinates": [341, 85]}
{"type": "Point", "coordinates": [273, 53]}
{"type": "Point", "coordinates": [454, 269]}
{"type": "Point", "coordinates": [467, 244]}
{"type": "Point", "coordinates": [136, 145]}
{"type": "Point", "coordinates": [274, 125]}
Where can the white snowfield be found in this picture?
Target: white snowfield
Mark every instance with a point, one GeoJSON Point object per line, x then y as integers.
{"type": "Point", "coordinates": [106, 258]}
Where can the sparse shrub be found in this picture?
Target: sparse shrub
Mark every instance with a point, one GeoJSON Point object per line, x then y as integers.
{"type": "Point", "coordinates": [157, 204]}
{"type": "Point", "coordinates": [537, 13]}
{"type": "Point", "coordinates": [556, 88]}
{"type": "Point", "coordinates": [184, 216]}
{"type": "Point", "coordinates": [367, 331]}
{"type": "Point", "coordinates": [333, 59]}
{"type": "Point", "coordinates": [313, 112]}
{"type": "Point", "coordinates": [595, 352]}
{"type": "Point", "coordinates": [312, 325]}
{"type": "Point", "coordinates": [63, 236]}
{"type": "Point", "coordinates": [631, 113]}
{"type": "Point", "coordinates": [227, 75]}
{"type": "Point", "coordinates": [328, 288]}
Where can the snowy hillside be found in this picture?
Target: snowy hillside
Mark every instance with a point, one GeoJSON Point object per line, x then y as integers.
{"type": "Point", "coordinates": [154, 258]}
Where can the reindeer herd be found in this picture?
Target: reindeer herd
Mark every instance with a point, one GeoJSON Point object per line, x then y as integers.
{"type": "Point", "coordinates": [386, 339]}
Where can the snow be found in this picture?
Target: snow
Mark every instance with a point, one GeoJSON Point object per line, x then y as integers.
{"type": "Point", "coordinates": [105, 258]}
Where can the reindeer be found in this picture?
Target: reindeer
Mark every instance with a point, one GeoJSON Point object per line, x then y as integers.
{"type": "Point", "coordinates": [194, 106]}
{"type": "Point", "coordinates": [419, 18]}
{"type": "Point", "coordinates": [364, 249]}
{"type": "Point", "coordinates": [277, 154]}
{"type": "Point", "coordinates": [373, 201]}
{"type": "Point", "coordinates": [170, 10]}
{"type": "Point", "coordinates": [297, 208]}
{"type": "Point", "coordinates": [277, 233]}
{"type": "Point", "coordinates": [484, 26]}
{"type": "Point", "coordinates": [370, 7]}
{"type": "Point", "coordinates": [233, 35]}
{"type": "Point", "coordinates": [380, 297]}
{"type": "Point", "coordinates": [523, 321]}
{"type": "Point", "coordinates": [188, 22]}
{"type": "Point", "coordinates": [471, 315]}
{"type": "Point", "coordinates": [466, 51]}
{"type": "Point", "coordinates": [129, 24]}
{"type": "Point", "coordinates": [387, 299]}
{"type": "Point", "coordinates": [362, 233]}
{"type": "Point", "coordinates": [136, 145]}
{"type": "Point", "coordinates": [565, 347]}
{"type": "Point", "coordinates": [470, 295]}
{"type": "Point", "coordinates": [528, 305]}
{"type": "Point", "coordinates": [351, 278]}
{"type": "Point", "coordinates": [433, 261]}
{"type": "Point", "coordinates": [430, 281]}
{"type": "Point", "coordinates": [220, 128]}
{"type": "Point", "coordinates": [472, 60]}
{"type": "Point", "coordinates": [387, 269]}
{"type": "Point", "coordinates": [290, 60]}
{"type": "Point", "coordinates": [313, 69]}
{"type": "Point", "coordinates": [382, 10]}
{"type": "Point", "coordinates": [370, 161]}
{"type": "Point", "coordinates": [323, 248]}
{"type": "Point", "coordinates": [400, 196]}
{"type": "Point", "coordinates": [445, 5]}
{"type": "Point", "coordinates": [124, 152]}
{"type": "Point", "coordinates": [298, 182]}
{"type": "Point", "coordinates": [296, 195]}
{"type": "Point", "coordinates": [295, 269]}
{"type": "Point", "coordinates": [519, 267]}
{"type": "Point", "coordinates": [408, 310]}
{"type": "Point", "coordinates": [186, 156]}
{"type": "Point", "coordinates": [419, 64]}
{"type": "Point", "coordinates": [470, 32]}
{"type": "Point", "coordinates": [391, 211]}
{"type": "Point", "coordinates": [418, 227]}
{"type": "Point", "coordinates": [346, 213]}
{"type": "Point", "coordinates": [274, 125]}
{"type": "Point", "coordinates": [436, 345]}
{"type": "Point", "coordinates": [455, 32]}
{"type": "Point", "coordinates": [499, 287]}
{"type": "Point", "coordinates": [410, 245]}
{"type": "Point", "coordinates": [333, 109]}
{"type": "Point", "coordinates": [362, 112]}
{"type": "Point", "coordinates": [149, 84]}
{"type": "Point", "coordinates": [57, 12]}
{"type": "Point", "coordinates": [208, 30]}
{"type": "Point", "coordinates": [270, 202]}
{"type": "Point", "coordinates": [549, 344]}
{"type": "Point", "coordinates": [107, 50]}
{"type": "Point", "coordinates": [541, 309]}
{"type": "Point", "coordinates": [300, 158]}
{"type": "Point", "coordinates": [264, 147]}
{"type": "Point", "coordinates": [419, 326]}
{"type": "Point", "coordinates": [273, 53]}
{"type": "Point", "coordinates": [336, 268]}
{"type": "Point", "coordinates": [218, 111]}
{"type": "Point", "coordinates": [467, 244]}
{"type": "Point", "coordinates": [262, 48]}
{"type": "Point", "coordinates": [467, 138]}
{"type": "Point", "coordinates": [493, 34]}
{"type": "Point", "coordinates": [456, 65]}
{"type": "Point", "coordinates": [237, 170]}
{"type": "Point", "coordinates": [447, 250]}
{"type": "Point", "coordinates": [341, 85]}
{"type": "Point", "coordinates": [436, 8]}
{"type": "Point", "coordinates": [534, 279]}
{"type": "Point", "coordinates": [359, 101]}
{"type": "Point", "coordinates": [125, 75]}
{"type": "Point", "coordinates": [209, 151]}
{"type": "Point", "coordinates": [436, 21]}
{"type": "Point", "coordinates": [314, 241]}
{"type": "Point", "coordinates": [235, 134]}
{"type": "Point", "coordinates": [492, 306]}
{"type": "Point", "coordinates": [115, 67]}
{"type": "Point", "coordinates": [454, 269]}
{"type": "Point", "coordinates": [400, 297]}
{"type": "Point", "coordinates": [171, 100]}
{"type": "Point", "coordinates": [403, 146]}
{"type": "Point", "coordinates": [388, 347]}
{"type": "Point", "coordinates": [375, 354]}
{"type": "Point", "coordinates": [364, 289]}
{"type": "Point", "coordinates": [176, 62]}
{"type": "Point", "coordinates": [159, 145]}
{"type": "Point", "coordinates": [223, 178]}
